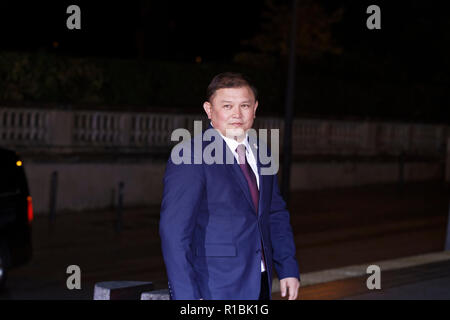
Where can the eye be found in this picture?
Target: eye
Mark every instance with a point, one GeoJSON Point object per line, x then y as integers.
{"type": "Point", "coordinates": [245, 106]}
{"type": "Point", "coordinates": [227, 106]}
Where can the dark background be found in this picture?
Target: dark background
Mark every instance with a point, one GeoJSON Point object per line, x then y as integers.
{"type": "Point", "coordinates": [169, 50]}
{"type": "Point", "coordinates": [159, 56]}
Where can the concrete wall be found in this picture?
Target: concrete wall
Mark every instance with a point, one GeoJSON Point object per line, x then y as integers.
{"type": "Point", "coordinates": [94, 185]}
{"type": "Point", "coordinates": [345, 174]}
{"type": "Point", "coordinates": [131, 140]}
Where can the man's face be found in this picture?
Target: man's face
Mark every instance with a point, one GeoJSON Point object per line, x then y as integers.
{"type": "Point", "coordinates": [232, 111]}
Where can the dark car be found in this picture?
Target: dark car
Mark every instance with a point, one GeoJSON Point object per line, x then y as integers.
{"type": "Point", "coordinates": [16, 214]}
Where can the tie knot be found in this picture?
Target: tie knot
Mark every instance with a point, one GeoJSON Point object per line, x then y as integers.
{"type": "Point", "coordinates": [240, 150]}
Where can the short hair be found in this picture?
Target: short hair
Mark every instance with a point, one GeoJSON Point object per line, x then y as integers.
{"type": "Point", "coordinates": [229, 80]}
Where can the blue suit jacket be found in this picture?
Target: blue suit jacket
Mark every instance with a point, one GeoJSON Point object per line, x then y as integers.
{"type": "Point", "coordinates": [211, 233]}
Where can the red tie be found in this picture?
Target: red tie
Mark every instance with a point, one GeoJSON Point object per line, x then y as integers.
{"type": "Point", "coordinates": [249, 175]}
{"type": "Point", "coordinates": [252, 184]}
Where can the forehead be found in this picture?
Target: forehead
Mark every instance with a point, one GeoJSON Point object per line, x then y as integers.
{"type": "Point", "coordinates": [233, 94]}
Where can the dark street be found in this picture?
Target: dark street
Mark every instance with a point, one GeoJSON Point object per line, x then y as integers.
{"type": "Point", "coordinates": [353, 226]}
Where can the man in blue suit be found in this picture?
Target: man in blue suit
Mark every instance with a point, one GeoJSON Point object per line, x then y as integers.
{"type": "Point", "coordinates": [224, 227]}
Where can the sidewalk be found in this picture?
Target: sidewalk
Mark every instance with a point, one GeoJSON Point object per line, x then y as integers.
{"type": "Point", "coordinates": [417, 277]}
{"type": "Point", "coordinates": [333, 229]}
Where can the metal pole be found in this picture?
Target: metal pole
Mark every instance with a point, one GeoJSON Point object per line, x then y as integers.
{"type": "Point", "coordinates": [401, 171]}
{"type": "Point", "coordinates": [447, 238]}
{"type": "Point", "coordinates": [53, 194]}
{"type": "Point", "coordinates": [289, 109]}
{"type": "Point", "coordinates": [119, 207]}
{"type": "Point", "coordinates": [447, 180]}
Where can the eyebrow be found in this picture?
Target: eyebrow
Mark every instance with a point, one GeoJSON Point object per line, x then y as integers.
{"type": "Point", "coordinates": [227, 101]}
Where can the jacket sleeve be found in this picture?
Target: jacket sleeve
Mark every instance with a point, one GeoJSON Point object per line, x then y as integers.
{"type": "Point", "coordinates": [183, 190]}
{"type": "Point", "coordinates": [283, 245]}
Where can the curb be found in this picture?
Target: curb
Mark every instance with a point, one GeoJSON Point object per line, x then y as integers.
{"type": "Point", "coordinates": [318, 277]}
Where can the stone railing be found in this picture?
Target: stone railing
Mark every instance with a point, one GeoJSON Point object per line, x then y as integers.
{"type": "Point", "coordinates": [19, 127]}
{"type": "Point", "coordinates": [52, 130]}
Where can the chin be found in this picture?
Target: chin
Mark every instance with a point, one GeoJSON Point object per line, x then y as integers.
{"type": "Point", "coordinates": [235, 132]}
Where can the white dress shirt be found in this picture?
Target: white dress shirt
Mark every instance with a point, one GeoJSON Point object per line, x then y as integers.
{"type": "Point", "coordinates": [250, 158]}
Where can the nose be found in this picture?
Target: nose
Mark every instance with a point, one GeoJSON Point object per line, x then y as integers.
{"type": "Point", "coordinates": [237, 113]}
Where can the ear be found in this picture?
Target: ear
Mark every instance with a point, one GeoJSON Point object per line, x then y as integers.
{"type": "Point", "coordinates": [207, 107]}
{"type": "Point", "coordinates": [254, 110]}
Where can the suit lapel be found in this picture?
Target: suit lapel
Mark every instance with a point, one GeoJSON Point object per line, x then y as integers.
{"type": "Point", "coordinates": [237, 174]}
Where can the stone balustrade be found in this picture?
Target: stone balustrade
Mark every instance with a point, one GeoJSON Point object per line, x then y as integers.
{"type": "Point", "coordinates": [28, 129]}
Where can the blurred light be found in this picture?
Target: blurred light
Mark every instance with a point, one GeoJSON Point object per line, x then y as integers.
{"type": "Point", "coordinates": [55, 44]}
{"type": "Point", "coordinates": [30, 209]}
{"type": "Point", "coordinates": [198, 59]}
{"type": "Point", "coordinates": [19, 163]}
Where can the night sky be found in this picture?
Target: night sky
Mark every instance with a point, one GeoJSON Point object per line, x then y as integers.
{"type": "Point", "coordinates": [173, 30]}
{"type": "Point", "coordinates": [182, 30]}
{"type": "Point", "coordinates": [402, 69]}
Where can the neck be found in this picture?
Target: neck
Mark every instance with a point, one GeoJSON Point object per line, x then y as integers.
{"type": "Point", "coordinates": [239, 139]}
{"type": "Point", "coordinates": [237, 135]}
